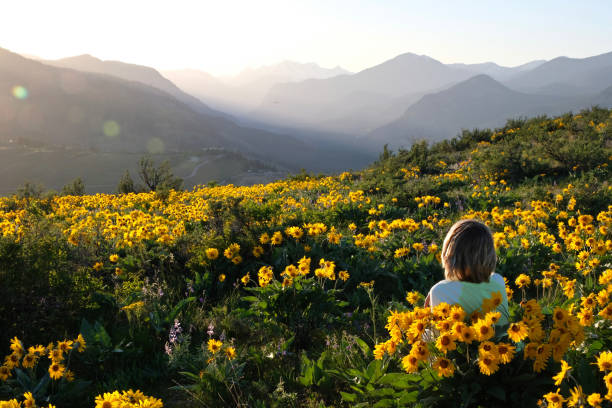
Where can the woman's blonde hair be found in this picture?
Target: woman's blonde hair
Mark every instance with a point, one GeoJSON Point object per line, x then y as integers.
{"type": "Point", "coordinates": [468, 252]}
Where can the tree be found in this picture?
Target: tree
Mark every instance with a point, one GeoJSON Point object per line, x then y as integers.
{"type": "Point", "coordinates": [76, 188]}
{"type": "Point", "coordinates": [30, 190]}
{"type": "Point", "coordinates": [158, 177]}
{"type": "Point", "coordinates": [126, 184]}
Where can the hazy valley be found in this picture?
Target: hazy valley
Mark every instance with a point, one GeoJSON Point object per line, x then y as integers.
{"type": "Point", "coordinates": [82, 116]}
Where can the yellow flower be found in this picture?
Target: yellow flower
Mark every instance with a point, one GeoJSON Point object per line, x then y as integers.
{"type": "Point", "coordinates": [264, 238]}
{"type": "Point", "coordinates": [258, 251]}
{"type": "Point", "coordinates": [444, 367]}
{"type": "Point", "coordinates": [343, 275]}
{"type": "Point", "coordinates": [555, 399]}
{"type": "Point", "coordinates": [608, 382]}
{"type": "Point", "coordinates": [12, 360]}
{"type": "Point", "coordinates": [518, 331]}
{"type": "Point", "coordinates": [560, 316]}
{"type": "Point", "coordinates": [484, 330]}
{"type": "Point", "coordinates": [563, 373]}
{"type": "Point", "coordinates": [410, 363]}
{"type": "Point", "coordinates": [488, 364]}
{"type": "Point", "coordinates": [108, 400]}
{"type": "Point", "coordinates": [80, 343]}
{"type": "Point", "coordinates": [401, 252]}
{"type": "Point", "coordinates": [29, 401]}
{"type": "Point", "coordinates": [295, 232]}
{"type": "Point", "coordinates": [446, 342]}
{"type": "Point", "coordinates": [492, 317]}
{"type": "Point", "coordinates": [237, 260]}
{"type": "Point", "coordinates": [245, 279]}
{"type": "Point", "coordinates": [265, 276]}
{"type": "Point", "coordinates": [595, 400]}
{"type": "Point", "coordinates": [413, 297]}
{"type": "Point", "coordinates": [604, 361]}
{"type": "Point", "coordinates": [29, 360]}
{"type": "Point", "coordinates": [505, 352]}
{"type": "Point", "coordinates": [419, 350]}
{"type": "Point", "coordinates": [17, 346]}
{"type": "Point", "coordinates": [488, 348]}
{"type": "Point", "coordinates": [56, 370]}
{"type": "Point", "coordinates": [576, 396]}
{"type": "Point", "coordinates": [214, 345]}
{"type": "Point", "coordinates": [231, 251]}
{"type": "Point", "coordinates": [212, 253]}
{"type": "Point", "coordinates": [113, 258]}
{"type": "Point", "coordinates": [98, 265]}
{"type": "Point", "coordinates": [522, 280]}
{"type": "Point", "coordinates": [222, 277]}
{"type": "Point", "coordinates": [65, 346]}
{"type": "Point", "coordinates": [277, 238]}
{"type": "Point", "coordinates": [379, 351]}
{"type": "Point", "coordinates": [5, 372]}
{"type": "Point", "coordinates": [230, 353]}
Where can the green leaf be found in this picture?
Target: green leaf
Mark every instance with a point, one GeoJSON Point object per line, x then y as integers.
{"type": "Point", "coordinates": [398, 380]}
{"type": "Point", "coordinates": [348, 397]}
{"type": "Point", "coordinates": [595, 346]}
{"type": "Point", "coordinates": [101, 335]}
{"type": "Point", "coordinates": [374, 370]}
{"type": "Point", "coordinates": [385, 403]}
{"type": "Point", "coordinates": [24, 380]}
{"type": "Point", "coordinates": [179, 307]}
{"type": "Point", "coordinates": [382, 392]}
{"type": "Point", "coordinates": [364, 347]}
{"type": "Point", "coordinates": [408, 397]}
{"type": "Point", "coordinates": [42, 385]}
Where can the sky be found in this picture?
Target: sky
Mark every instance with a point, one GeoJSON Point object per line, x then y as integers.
{"type": "Point", "coordinates": [223, 37]}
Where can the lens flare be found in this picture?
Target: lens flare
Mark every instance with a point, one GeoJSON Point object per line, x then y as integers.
{"type": "Point", "coordinates": [20, 92]}
{"type": "Point", "coordinates": [155, 146]}
{"type": "Point", "coordinates": [111, 128]}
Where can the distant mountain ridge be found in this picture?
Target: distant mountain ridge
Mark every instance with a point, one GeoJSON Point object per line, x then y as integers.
{"type": "Point", "coordinates": [131, 72]}
{"type": "Point", "coordinates": [480, 102]}
{"type": "Point", "coordinates": [590, 74]}
{"type": "Point", "coordinates": [285, 71]}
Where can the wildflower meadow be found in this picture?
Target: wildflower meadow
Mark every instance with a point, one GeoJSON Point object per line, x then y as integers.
{"type": "Point", "coordinates": [309, 291]}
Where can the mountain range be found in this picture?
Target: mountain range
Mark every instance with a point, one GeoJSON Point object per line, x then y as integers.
{"type": "Point", "coordinates": [71, 100]}
{"type": "Point", "coordinates": [280, 117]}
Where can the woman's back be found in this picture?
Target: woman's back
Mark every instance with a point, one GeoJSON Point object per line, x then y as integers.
{"type": "Point", "coordinates": [471, 295]}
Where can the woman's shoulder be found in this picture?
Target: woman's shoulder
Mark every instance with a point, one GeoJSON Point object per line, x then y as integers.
{"type": "Point", "coordinates": [444, 285]}
{"type": "Point", "coordinates": [496, 277]}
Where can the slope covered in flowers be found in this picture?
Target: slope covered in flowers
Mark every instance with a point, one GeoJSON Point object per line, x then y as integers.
{"type": "Point", "coordinates": [309, 291]}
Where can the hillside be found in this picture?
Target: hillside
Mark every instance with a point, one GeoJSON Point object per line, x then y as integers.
{"type": "Point", "coordinates": [311, 290]}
